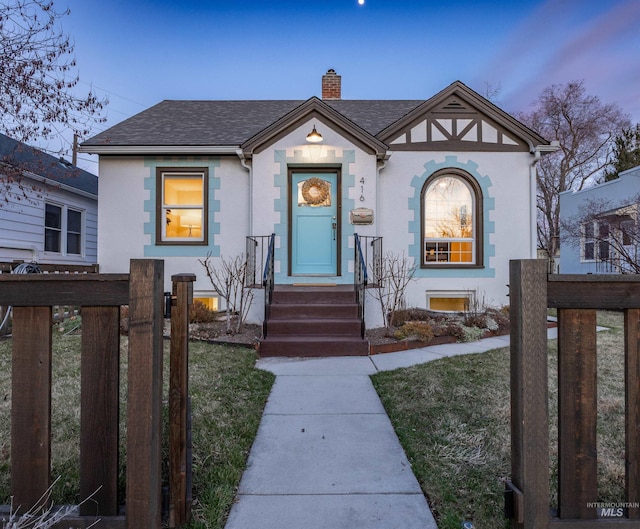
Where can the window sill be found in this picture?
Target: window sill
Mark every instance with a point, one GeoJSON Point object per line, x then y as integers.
{"type": "Point", "coordinates": [181, 243]}
{"type": "Point", "coordinates": [452, 265]}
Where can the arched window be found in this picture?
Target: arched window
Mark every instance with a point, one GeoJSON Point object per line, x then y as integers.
{"type": "Point", "coordinates": [451, 220]}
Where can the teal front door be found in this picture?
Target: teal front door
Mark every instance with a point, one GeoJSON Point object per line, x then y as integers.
{"type": "Point", "coordinates": [315, 229]}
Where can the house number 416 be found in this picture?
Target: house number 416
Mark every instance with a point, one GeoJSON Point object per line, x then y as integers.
{"type": "Point", "coordinates": [362, 189]}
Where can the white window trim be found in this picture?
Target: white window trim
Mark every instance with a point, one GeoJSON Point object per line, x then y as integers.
{"type": "Point", "coordinates": [64, 230]}
{"type": "Point", "coordinates": [457, 294]}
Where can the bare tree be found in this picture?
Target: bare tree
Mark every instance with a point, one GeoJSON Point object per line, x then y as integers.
{"type": "Point", "coordinates": [38, 79]}
{"type": "Point", "coordinates": [228, 280]}
{"type": "Point", "coordinates": [608, 233]}
{"type": "Point", "coordinates": [586, 129]}
{"type": "Point", "coordinates": [393, 272]}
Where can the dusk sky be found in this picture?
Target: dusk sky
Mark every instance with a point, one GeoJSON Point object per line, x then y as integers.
{"type": "Point", "coordinates": [140, 52]}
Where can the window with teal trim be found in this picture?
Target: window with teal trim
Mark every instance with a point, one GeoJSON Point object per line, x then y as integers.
{"type": "Point", "coordinates": [451, 220]}
{"type": "Point", "coordinates": [181, 210]}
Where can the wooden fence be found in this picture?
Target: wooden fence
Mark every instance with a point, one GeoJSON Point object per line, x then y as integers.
{"type": "Point", "coordinates": [101, 296]}
{"type": "Point", "coordinates": [576, 298]}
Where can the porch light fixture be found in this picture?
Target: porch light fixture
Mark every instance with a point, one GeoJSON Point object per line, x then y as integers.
{"type": "Point", "coordinates": [314, 136]}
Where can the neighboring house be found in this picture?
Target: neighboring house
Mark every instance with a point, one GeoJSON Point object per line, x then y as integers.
{"type": "Point", "coordinates": [608, 242]}
{"type": "Point", "coordinates": [49, 210]}
{"type": "Point", "coordinates": [448, 182]}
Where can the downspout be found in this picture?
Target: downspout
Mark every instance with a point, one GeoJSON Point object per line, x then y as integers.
{"type": "Point", "coordinates": [533, 200]}
{"type": "Point", "coordinates": [248, 167]}
{"type": "Point", "coordinates": [380, 166]}
{"type": "Point", "coordinates": [533, 187]}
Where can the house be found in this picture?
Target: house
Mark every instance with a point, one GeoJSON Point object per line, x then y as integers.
{"type": "Point", "coordinates": [448, 182]}
{"type": "Point", "coordinates": [599, 227]}
{"type": "Point", "coordinates": [49, 212]}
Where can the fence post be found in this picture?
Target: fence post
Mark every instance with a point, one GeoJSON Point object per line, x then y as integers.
{"type": "Point", "coordinates": [632, 408]}
{"type": "Point", "coordinates": [529, 384]}
{"type": "Point", "coordinates": [99, 410]}
{"type": "Point", "coordinates": [577, 413]}
{"type": "Point", "coordinates": [30, 405]}
{"type": "Point", "coordinates": [179, 507]}
{"type": "Point", "coordinates": [144, 405]}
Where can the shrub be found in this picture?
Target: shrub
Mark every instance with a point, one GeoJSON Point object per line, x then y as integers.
{"type": "Point", "coordinates": [471, 334]}
{"type": "Point", "coordinates": [501, 318]}
{"type": "Point", "coordinates": [413, 314]}
{"type": "Point", "coordinates": [417, 330]}
{"type": "Point", "coordinates": [200, 313]}
{"type": "Point", "coordinates": [475, 319]}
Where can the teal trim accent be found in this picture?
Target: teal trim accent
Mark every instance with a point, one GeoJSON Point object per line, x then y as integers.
{"type": "Point", "coordinates": [281, 229]}
{"type": "Point", "coordinates": [489, 226]}
{"type": "Point", "coordinates": [151, 250]}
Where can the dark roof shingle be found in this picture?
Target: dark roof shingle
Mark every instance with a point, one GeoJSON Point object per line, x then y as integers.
{"type": "Point", "coordinates": [25, 158]}
{"type": "Point", "coordinates": [233, 122]}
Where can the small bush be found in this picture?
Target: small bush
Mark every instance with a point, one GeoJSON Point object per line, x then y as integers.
{"type": "Point", "coordinates": [413, 314]}
{"type": "Point", "coordinates": [501, 318]}
{"type": "Point", "coordinates": [417, 330]}
{"type": "Point", "coordinates": [448, 327]}
{"type": "Point", "coordinates": [475, 319]}
{"type": "Point", "coordinates": [471, 334]}
{"type": "Point", "coordinates": [200, 313]}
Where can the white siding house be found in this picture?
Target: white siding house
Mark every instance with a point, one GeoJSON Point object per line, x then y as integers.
{"type": "Point", "coordinates": [448, 182]}
{"type": "Point", "coordinates": [49, 214]}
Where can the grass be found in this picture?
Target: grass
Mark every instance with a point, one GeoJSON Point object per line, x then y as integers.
{"type": "Point", "coordinates": [453, 419]}
{"type": "Point", "coordinates": [228, 396]}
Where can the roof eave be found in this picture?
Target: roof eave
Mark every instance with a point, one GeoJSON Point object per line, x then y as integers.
{"type": "Point", "coordinates": [158, 149]}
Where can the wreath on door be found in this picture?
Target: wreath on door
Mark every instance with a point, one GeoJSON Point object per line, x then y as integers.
{"type": "Point", "coordinates": [315, 191]}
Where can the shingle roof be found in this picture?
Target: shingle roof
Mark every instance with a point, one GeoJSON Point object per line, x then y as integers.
{"type": "Point", "coordinates": [233, 122]}
{"type": "Point", "coordinates": [26, 158]}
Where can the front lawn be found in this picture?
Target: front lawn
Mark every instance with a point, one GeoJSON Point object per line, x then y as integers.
{"type": "Point", "coordinates": [228, 397]}
{"type": "Point", "coordinates": [453, 419]}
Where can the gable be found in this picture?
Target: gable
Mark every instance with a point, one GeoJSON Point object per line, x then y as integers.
{"type": "Point", "coordinates": [314, 108]}
{"type": "Point", "coordinates": [458, 119]}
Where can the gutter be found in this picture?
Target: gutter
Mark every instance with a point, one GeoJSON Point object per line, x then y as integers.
{"type": "Point", "coordinates": [158, 149]}
{"type": "Point", "coordinates": [58, 185]}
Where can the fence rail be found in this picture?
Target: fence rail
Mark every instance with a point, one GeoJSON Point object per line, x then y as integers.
{"type": "Point", "coordinates": [100, 296]}
{"type": "Point", "coordinates": [577, 297]}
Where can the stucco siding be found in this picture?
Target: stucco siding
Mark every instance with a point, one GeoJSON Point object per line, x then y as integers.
{"type": "Point", "coordinates": [507, 232]}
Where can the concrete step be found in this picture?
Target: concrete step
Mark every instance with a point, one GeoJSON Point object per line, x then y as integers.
{"type": "Point", "coordinates": [313, 321]}
{"type": "Point", "coordinates": [319, 345]}
{"type": "Point", "coordinates": [316, 311]}
{"type": "Point", "coordinates": [313, 295]}
{"type": "Point", "coordinates": [310, 326]}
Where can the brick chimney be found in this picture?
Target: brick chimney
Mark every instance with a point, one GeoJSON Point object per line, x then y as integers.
{"type": "Point", "coordinates": [331, 85]}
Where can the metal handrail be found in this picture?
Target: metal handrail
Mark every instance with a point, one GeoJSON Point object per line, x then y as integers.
{"type": "Point", "coordinates": [360, 280]}
{"type": "Point", "coordinates": [268, 281]}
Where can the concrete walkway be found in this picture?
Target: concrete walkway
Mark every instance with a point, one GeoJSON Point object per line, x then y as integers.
{"type": "Point", "coordinates": [326, 455]}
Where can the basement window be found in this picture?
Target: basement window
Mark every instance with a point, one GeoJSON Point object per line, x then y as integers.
{"type": "Point", "coordinates": [449, 301]}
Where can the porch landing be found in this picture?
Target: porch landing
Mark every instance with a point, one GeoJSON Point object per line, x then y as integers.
{"type": "Point", "coordinates": [313, 320]}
